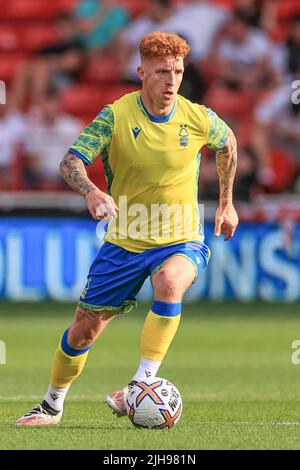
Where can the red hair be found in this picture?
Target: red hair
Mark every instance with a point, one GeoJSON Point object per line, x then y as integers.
{"type": "Point", "coordinates": [158, 44]}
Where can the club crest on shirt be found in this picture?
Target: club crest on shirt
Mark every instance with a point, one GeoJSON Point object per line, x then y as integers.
{"type": "Point", "coordinates": [183, 136]}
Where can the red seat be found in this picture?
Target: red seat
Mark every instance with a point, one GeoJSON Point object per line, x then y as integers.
{"type": "Point", "coordinates": [135, 7]}
{"type": "Point", "coordinates": [30, 37]}
{"type": "Point", "coordinates": [9, 64]}
{"type": "Point", "coordinates": [89, 100]}
{"type": "Point", "coordinates": [86, 118]}
{"type": "Point", "coordinates": [114, 93]}
{"type": "Point", "coordinates": [83, 99]}
{"type": "Point", "coordinates": [36, 37]}
{"type": "Point", "coordinates": [284, 169]}
{"type": "Point", "coordinates": [228, 4]}
{"type": "Point", "coordinates": [235, 105]}
{"type": "Point", "coordinates": [29, 9]}
{"type": "Point", "coordinates": [66, 5]}
{"type": "Point", "coordinates": [9, 39]}
{"type": "Point", "coordinates": [96, 174]}
{"type": "Point", "coordinates": [285, 12]}
{"type": "Point", "coordinates": [288, 9]}
{"type": "Point", "coordinates": [102, 70]}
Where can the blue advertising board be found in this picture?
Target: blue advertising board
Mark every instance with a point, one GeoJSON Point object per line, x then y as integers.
{"type": "Point", "coordinates": [50, 258]}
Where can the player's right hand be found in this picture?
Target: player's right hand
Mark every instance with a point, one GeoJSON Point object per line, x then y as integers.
{"type": "Point", "coordinates": [101, 205]}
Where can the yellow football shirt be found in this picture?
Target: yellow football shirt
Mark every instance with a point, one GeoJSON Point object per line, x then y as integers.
{"type": "Point", "coordinates": [152, 167]}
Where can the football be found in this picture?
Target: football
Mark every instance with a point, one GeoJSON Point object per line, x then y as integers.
{"type": "Point", "coordinates": [154, 403]}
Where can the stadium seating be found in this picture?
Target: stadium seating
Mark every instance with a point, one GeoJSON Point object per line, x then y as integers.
{"type": "Point", "coordinates": [29, 25]}
{"type": "Point", "coordinates": [288, 9]}
{"type": "Point", "coordinates": [9, 64]}
{"type": "Point", "coordinates": [283, 169]}
{"type": "Point", "coordinates": [29, 37]}
{"type": "Point", "coordinates": [29, 10]}
{"type": "Point", "coordinates": [229, 4]}
{"type": "Point", "coordinates": [83, 100]}
{"type": "Point", "coordinates": [65, 5]}
{"type": "Point", "coordinates": [102, 69]}
{"type": "Point", "coordinates": [135, 7]}
{"type": "Point", "coordinates": [38, 10]}
{"type": "Point", "coordinates": [9, 39]}
{"type": "Point", "coordinates": [227, 103]}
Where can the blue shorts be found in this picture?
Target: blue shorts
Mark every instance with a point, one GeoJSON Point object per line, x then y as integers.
{"type": "Point", "coordinates": [116, 275]}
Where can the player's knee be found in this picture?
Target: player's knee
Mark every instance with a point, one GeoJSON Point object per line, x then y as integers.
{"type": "Point", "coordinates": [79, 337]}
{"type": "Point", "coordinates": [166, 285]}
{"type": "Point", "coordinates": [84, 329]}
{"type": "Point", "coordinates": [87, 326]}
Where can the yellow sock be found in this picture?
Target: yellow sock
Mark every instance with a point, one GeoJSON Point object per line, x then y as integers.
{"type": "Point", "coordinates": [67, 364]}
{"type": "Point", "coordinates": [159, 329]}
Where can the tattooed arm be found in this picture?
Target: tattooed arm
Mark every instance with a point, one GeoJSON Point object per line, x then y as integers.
{"type": "Point", "coordinates": [74, 173]}
{"type": "Point", "coordinates": [226, 219]}
{"type": "Point", "coordinates": [100, 204]}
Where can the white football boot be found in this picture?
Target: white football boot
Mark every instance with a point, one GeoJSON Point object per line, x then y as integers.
{"type": "Point", "coordinates": [38, 416]}
{"type": "Point", "coordinates": [117, 401]}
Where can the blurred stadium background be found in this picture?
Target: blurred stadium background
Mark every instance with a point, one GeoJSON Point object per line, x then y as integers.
{"type": "Point", "coordinates": [61, 61]}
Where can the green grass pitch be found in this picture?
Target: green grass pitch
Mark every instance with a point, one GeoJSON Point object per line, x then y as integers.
{"type": "Point", "coordinates": [231, 362]}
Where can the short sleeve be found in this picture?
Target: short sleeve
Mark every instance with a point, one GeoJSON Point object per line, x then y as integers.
{"type": "Point", "coordinates": [95, 137]}
{"type": "Point", "coordinates": [217, 131]}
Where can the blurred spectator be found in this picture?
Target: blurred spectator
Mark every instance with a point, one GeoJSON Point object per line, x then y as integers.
{"type": "Point", "coordinates": [243, 73]}
{"type": "Point", "coordinates": [245, 180]}
{"type": "Point", "coordinates": [100, 21]}
{"type": "Point", "coordinates": [161, 16]}
{"type": "Point", "coordinates": [51, 134]}
{"type": "Point", "coordinates": [199, 21]}
{"type": "Point", "coordinates": [192, 86]}
{"type": "Point", "coordinates": [286, 55]}
{"type": "Point", "coordinates": [57, 66]}
{"type": "Point", "coordinates": [276, 16]}
{"type": "Point", "coordinates": [250, 10]}
{"type": "Point", "coordinates": [277, 127]}
{"type": "Point", "coordinates": [293, 46]}
{"type": "Point", "coordinates": [12, 136]}
{"type": "Point", "coordinates": [157, 19]}
{"type": "Point", "coordinates": [243, 56]}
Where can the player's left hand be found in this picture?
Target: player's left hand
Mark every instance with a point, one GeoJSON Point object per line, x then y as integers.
{"type": "Point", "coordinates": [226, 220]}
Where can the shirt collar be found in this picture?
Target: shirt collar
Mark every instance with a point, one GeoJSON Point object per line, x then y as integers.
{"type": "Point", "coordinates": [151, 116]}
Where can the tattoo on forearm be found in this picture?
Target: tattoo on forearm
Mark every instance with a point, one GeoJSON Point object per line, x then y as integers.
{"type": "Point", "coordinates": [226, 165]}
{"type": "Point", "coordinates": [74, 173]}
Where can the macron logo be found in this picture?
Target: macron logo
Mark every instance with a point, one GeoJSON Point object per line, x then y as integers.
{"type": "Point", "coordinates": [136, 131]}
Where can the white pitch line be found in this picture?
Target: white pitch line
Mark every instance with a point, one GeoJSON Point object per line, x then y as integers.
{"type": "Point", "coordinates": [250, 423]}
{"type": "Point", "coordinates": [95, 398]}
{"type": "Point", "coordinates": [39, 398]}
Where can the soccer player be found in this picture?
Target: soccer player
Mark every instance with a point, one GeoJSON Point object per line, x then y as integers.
{"type": "Point", "coordinates": [150, 144]}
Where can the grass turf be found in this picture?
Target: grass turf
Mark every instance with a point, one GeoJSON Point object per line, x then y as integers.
{"type": "Point", "coordinates": [231, 362]}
